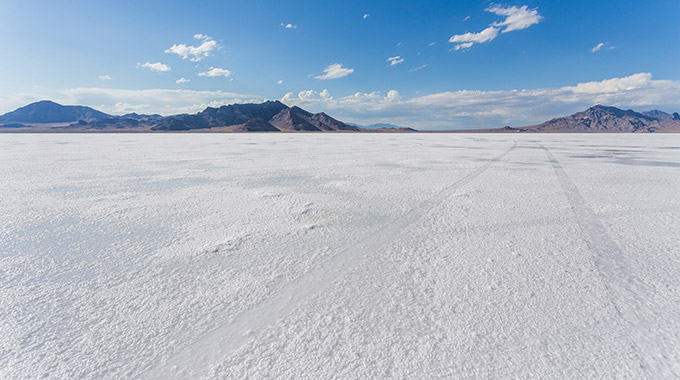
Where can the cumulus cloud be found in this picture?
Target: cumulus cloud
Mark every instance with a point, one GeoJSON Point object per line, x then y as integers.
{"type": "Point", "coordinates": [215, 72]}
{"type": "Point", "coordinates": [516, 18]}
{"type": "Point", "coordinates": [334, 71]}
{"type": "Point", "coordinates": [600, 46]}
{"type": "Point", "coordinates": [195, 53]}
{"type": "Point", "coordinates": [366, 15]}
{"type": "Point", "coordinates": [395, 60]}
{"type": "Point", "coordinates": [289, 26]}
{"type": "Point", "coordinates": [104, 77]}
{"type": "Point", "coordinates": [614, 85]}
{"type": "Point", "coordinates": [484, 109]}
{"type": "Point", "coordinates": [158, 67]}
{"type": "Point", "coordinates": [182, 80]}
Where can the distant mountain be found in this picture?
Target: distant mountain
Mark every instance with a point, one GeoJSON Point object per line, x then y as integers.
{"type": "Point", "coordinates": [381, 126]}
{"type": "Point", "coordinates": [50, 112]}
{"type": "Point", "coordinates": [604, 119]}
{"type": "Point", "coordinates": [271, 116]}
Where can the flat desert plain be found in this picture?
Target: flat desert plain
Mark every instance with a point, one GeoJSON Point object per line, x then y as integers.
{"type": "Point", "coordinates": [309, 256]}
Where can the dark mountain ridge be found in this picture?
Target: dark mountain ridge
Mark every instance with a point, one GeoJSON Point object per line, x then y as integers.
{"type": "Point", "coordinates": [270, 116]}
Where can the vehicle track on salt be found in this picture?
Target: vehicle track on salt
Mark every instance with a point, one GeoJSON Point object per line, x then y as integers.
{"type": "Point", "coordinates": [627, 293]}
{"type": "Point", "coordinates": [198, 358]}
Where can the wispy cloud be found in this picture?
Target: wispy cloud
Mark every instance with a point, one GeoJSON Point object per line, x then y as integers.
{"type": "Point", "coordinates": [334, 71]}
{"type": "Point", "coordinates": [466, 18]}
{"type": "Point", "coordinates": [279, 82]}
{"type": "Point", "coordinates": [162, 101]}
{"type": "Point", "coordinates": [464, 41]}
{"type": "Point", "coordinates": [104, 77]}
{"type": "Point", "coordinates": [417, 68]}
{"type": "Point", "coordinates": [483, 109]}
{"type": "Point", "coordinates": [395, 60]}
{"type": "Point", "coordinates": [215, 72]}
{"type": "Point", "coordinates": [182, 80]}
{"type": "Point", "coordinates": [195, 53]}
{"type": "Point", "coordinates": [158, 67]}
{"type": "Point", "coordinates": [516, 18]}
{"type": "Point", "coordinates": [600, 46]}
{"type": "Point", "coordinates": [366, 15]}
{"type": "Point", "coordinates": [289, 26]}
{"type": "Point", "coordinates": [431, 44]}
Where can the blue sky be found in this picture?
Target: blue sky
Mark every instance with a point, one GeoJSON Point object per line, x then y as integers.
{"type": "Point", "coordinates": [454, 64]}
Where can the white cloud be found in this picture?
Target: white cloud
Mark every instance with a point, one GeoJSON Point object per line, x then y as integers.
{"type": "Point", "coordinates": [123, 108]}
{"type": "Point", "coordinates": [431, 44]}
{"type": "Point", "coordinates": [417, 68]}
{"type": "Point", "coordinates": [466, 18]}
{"type": "Point", "coordinates": [597, 47]}
{"type": "Point", "coordinates": [395, 60]}
{"type": "Point", "coordinates": [484, 109]}
{"type": "Point", "coordinates": [335, 71]}
{"type": "Point", "coordinates": [159, 67]}
{"type": "Point", "coordinates": [516, 18]}
{"type": "Point", "coordinates": [614, 85]}
{"type": "Point", "coordinates": [280, 82]}
{"type": "Point", "coordinates": [104, 77]}
{"type": "Point", "coordinates": [466, 40]}
{"type": "Point", "coordinates": [162, 101]}
{"type": "Point", "coordinates": [289, 26]}
{"type": "Point", "coordinates": [600, 46]}
{"type": "Point", "coordinates": [215, 72]}
{"type": "Point", "coordinates": [182, 80]}
{"type": "Point", "coordinates": [366, 15]}
{"type": "Point", "coordinates": [195, 53]}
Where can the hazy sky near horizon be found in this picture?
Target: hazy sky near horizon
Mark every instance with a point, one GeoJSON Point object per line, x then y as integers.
{"type": "Point", "coordinates": [438, 64]}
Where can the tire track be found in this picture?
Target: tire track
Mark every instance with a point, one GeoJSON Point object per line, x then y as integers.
{"type": "Point", "coordinates": [626, 292]}
{"type": "Point", "coordinates": [197, 359]}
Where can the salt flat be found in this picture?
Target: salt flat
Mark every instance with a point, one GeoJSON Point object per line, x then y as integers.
{"type": "Point", "coordinates": [339, 256]}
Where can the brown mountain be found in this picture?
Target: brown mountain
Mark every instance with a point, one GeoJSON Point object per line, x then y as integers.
{"type": "Point", "coordinates": [297, 119]}
{"type": "Point", "coordinates": [603, 119]}
{"type": "Point", "coordinates": [269, 116]}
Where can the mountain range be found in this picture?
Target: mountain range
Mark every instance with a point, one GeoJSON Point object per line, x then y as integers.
{"type": "Point", "coordinates": [605, 119]}
{"type": "Point", "coordinates": [274, 116]}
{"type": "Point", "coordinates": [271, 116]}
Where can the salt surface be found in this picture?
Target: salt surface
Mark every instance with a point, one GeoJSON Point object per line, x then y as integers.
{"type": "Point", "coordinates": [352, 256]}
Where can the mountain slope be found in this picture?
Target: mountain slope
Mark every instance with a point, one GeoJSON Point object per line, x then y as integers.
{"type": "Point", "coordinates": [50, 112]}
{"type": "Point", "coordinates": [604, 119]}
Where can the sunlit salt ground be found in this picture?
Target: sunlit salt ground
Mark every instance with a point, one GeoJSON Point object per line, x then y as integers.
{"type": "Point", "coordinates": [349, 256]}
